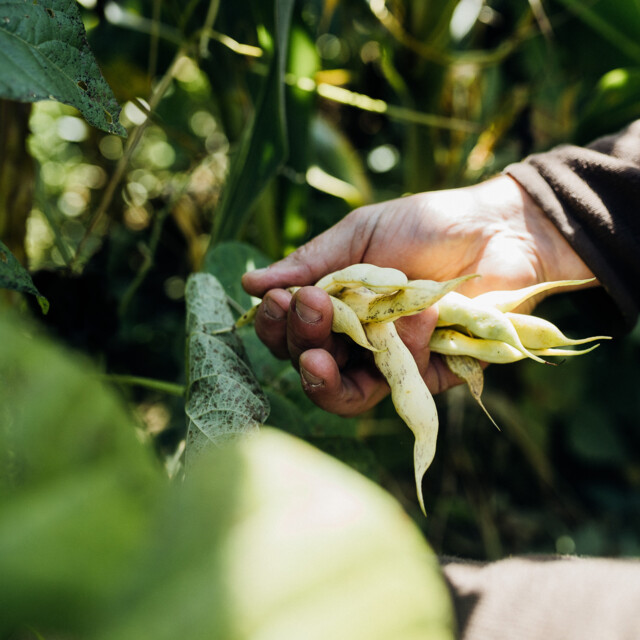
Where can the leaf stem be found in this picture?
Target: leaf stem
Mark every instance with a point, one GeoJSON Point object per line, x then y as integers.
{"type": "Point", "coordinates": [149, 252]}
{"type": "Point", "coordinates": [123, 163]}
{"type": "Point", "coordinates": [169, 388]}
{"type": "Point", "coordinates": [212, 14]}
{"type": "Point", "coordinates": [376, 105]}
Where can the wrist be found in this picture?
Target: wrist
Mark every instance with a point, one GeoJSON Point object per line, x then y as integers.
{"type": "Point", "coordinates": [555, 257]}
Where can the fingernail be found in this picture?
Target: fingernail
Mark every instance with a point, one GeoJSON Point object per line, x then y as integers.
{"type": "Point", "coordinates": [307, 314]}
{"type": "Point", "coordinates": [309, 381]}
{"type": "Point", "coordinates": [273, 310]}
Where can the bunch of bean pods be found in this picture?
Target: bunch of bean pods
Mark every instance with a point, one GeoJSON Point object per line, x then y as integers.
{"type": "Point", "coordinates": [367, 299]}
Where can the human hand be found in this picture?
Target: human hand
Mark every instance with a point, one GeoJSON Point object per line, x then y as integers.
{"type": "Point", "coordinates": [493, 229]}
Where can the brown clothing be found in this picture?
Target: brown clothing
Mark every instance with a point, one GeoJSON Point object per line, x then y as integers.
{"type": "Point", "coordinates": [592, 195]}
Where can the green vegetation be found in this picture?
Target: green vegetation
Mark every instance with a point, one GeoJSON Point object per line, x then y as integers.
{"type": "Point", "coordinates": [251, 127]}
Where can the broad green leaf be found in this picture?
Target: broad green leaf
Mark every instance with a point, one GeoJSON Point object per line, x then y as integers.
{"type": "Point", "coordinates": [272, 540]}
{"type": "Point", "coordinates": [228, 261]}
{"type": "Point", "coordinates": [76, 487]}
{"type": "Point", "coordinates": [263, 148]}
{"type": "Point", "coordinates": [44, 54]}
{"type": "Point", "coordinates": [224, 400]}
{"type": "Point", "coordinates": [291, 410]}
{"type": "Point", "coordinates": [14, 276]}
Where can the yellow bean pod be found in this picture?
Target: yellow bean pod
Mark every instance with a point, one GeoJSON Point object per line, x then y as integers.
{"type": "Point", "coordinates": [411, 397]}
{"type": "Point", "coordinates": [412, 298]}
{"type": "Point", "coordinates": [454, 343]}
{"type": "Point", "coordinates": [378, 279]}
{"type": "Point", "coordinates": [481, 321]}
{"type": "Point", "coordinates": [346, 321]}
{"type": "Point", "coordinates": [538, 333]}
{"type": "Point", "coordinates": [509, 300]}
{"type": "Point", "coordinates": [470, 370]}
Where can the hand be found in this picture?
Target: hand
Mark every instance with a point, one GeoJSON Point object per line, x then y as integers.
{"type": "Point", "coordinates": [493, 229]}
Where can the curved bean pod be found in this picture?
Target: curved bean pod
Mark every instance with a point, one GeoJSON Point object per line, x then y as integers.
{"type": "Point", "coordinates": [411, 397]}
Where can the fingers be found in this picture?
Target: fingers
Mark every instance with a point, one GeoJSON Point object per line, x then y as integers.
{"type": "Point", "coordinates": [337, 376]}
{"type": "Point", "coordinates": [309, 324]}
{"type": "Point", "coordinates": [271, 322]}
{"type": "Point", "coordinates": [289, 325]}
{"type": "Point", "coordinates": [346, 392]}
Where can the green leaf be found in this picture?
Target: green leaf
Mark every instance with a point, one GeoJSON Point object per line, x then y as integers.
{"type": "Point", "coordinates": [44, 54]}
{"type": "Point", "coordinates": [224, 400]}
{"type": "Point", "coordinates": [269, 539]}
{"type": "Point", "coordinates": [263, 148]}
{"type": "Point", "coordinates": [76, 487]}
{"type": "Point", "coordinates": [228, 261]}
{"type": "Point", "coordinates": [15, 277]}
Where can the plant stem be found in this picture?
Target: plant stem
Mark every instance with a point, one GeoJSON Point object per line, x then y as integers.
{"type": "Point", "coordinates": [169, 388]}
{"type": "Point", "coordinates": [147, 262]}
{"type": "Point", "coordinates": [209, 21]}
{"type": "Point", "coordinates": [608, 31]}
{"type": "Point", "coordinates": [123, 163]}
{"type": "Point", "coordinates": [375, 105]}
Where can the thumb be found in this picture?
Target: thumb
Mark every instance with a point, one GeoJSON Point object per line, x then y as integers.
{"type": "Point", "coordinates": [330, 251]}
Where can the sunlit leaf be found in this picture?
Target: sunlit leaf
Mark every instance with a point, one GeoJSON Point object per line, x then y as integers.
{"type": "Point", "coordinates": [613, 104]}
{"type": "Point", "coordinates": [44, 54]}
{"type": "Point", "coordinates": [267, 538]}
{"type": "Point", "coordinates": [272, 540]}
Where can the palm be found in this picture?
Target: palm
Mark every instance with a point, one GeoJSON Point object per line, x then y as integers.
{"type": "Point", "coordinates": [426, 242]}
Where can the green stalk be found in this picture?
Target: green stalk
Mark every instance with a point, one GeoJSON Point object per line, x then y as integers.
{"type": "Point", "coordinates": [169, 388]}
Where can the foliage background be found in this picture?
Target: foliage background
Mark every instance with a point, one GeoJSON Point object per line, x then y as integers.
{"type": "Point", "coordinates": [378, 100]}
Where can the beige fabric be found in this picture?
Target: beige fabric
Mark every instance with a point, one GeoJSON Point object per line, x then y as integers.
{"type": "Point", "coordinates": [546, 598]}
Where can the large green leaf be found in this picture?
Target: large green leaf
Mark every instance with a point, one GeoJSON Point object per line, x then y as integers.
{"type": "Point", "coordinates": [15, 277]}
{"type": "Point", "coordinates": [269, 539]}
{"type": "Point", "coordinates": [291, 409]}
{"type": "Point", "coordinates": [228, 261]}
{"type": "Point", "coordinates": [224, 400]}
{"type": "Point", "coordinates": [266, 538]}
{"type": "Point", "coordinates": [44, 54]}
{"type": "Point", "coordinates": [263, 148]}
{"type": "Point", "coordinates": [76, 487]}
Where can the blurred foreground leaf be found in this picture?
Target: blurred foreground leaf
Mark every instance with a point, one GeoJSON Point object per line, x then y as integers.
{"type": "Point", "coordinates": [44, 54]}
{"type": "Point", "coordinates": [224, 400]}
{"type": "Point", "coordinates": [76, 488]}
{"type": "Point", "coordinates": [266, 538]}
{"type": "Point", "coordinates": [15, 277]}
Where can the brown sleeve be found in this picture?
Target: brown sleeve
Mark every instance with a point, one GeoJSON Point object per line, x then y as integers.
{"type": "Point", "coordinates": [592, 194]}
{"type": "Point", "coordinates": [546, 598]}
